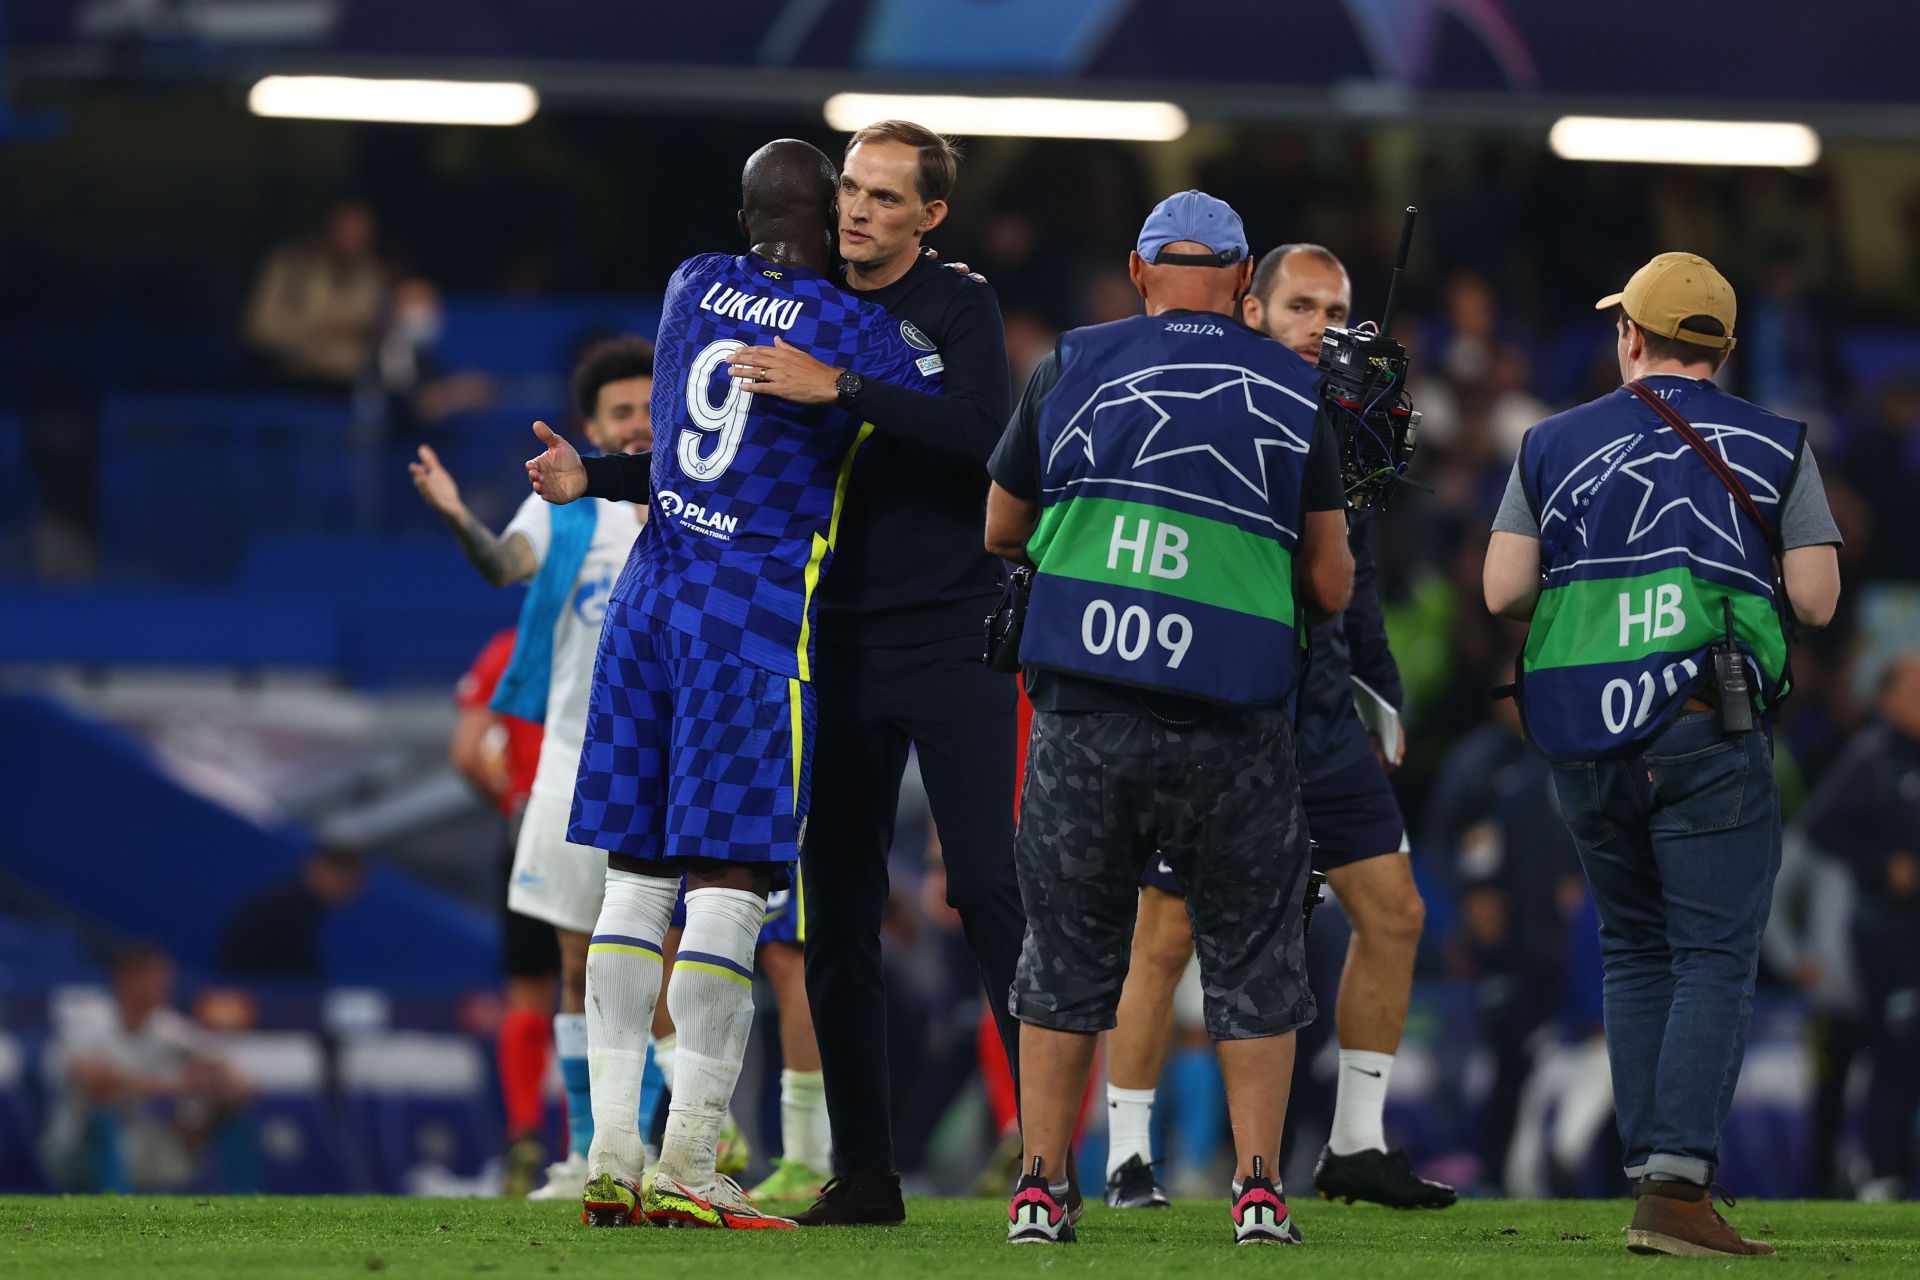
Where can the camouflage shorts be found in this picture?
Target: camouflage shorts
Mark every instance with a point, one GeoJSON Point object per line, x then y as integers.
{"type": "Point", "coordinates": [1220, 800]}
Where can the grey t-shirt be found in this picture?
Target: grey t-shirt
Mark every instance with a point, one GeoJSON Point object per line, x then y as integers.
{"type": "Point", "coordinates": [1805, 520]}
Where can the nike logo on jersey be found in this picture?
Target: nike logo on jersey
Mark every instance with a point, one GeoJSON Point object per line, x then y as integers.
{"type": "Point", "coordinates": [773, 313]}
{"type": "Point", "coordinates": [1363, 1071]}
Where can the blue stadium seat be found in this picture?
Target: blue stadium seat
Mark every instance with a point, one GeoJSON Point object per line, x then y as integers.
{"type": "Point", "coordinates": [541, 336]}
{"type": "Point", "coordinates": [304, 1149]}
{"type": "Point", "coordinates": [20, 1116]}
{"type": "Point", "coordinates": [19, 499]}
{"type": "Point", "coordinates": [198, 860]}
{"type": "Point", "coordinates": [417, 1102]}
{"type": "Point", "coordinates": [1767, 1143]}
{"type": "Point", "coordinates": [36, 956]}
{"type": "Point", "coordinates": [177, 627]}
{"type": "Point", "coordinates": [186, 481]}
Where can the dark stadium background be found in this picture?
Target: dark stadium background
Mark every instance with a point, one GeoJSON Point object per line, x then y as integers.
{"type": "Point", "coordinates": [229, 630]}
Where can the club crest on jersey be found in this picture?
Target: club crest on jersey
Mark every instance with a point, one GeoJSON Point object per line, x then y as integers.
{"type": "Point", "coordinates": [695, 518]}
{"type": "Point", "coordinates": [916, 339]}
{"type": "Point", "coordinates": [590, 599]}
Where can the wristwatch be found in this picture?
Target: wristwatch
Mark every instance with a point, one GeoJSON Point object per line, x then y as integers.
{"type": "Point", "coordinates": [848, 386]}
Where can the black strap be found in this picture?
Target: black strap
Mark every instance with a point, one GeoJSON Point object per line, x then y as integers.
{"type": "Point", "coordinates": [1718, 465]}
{"type": "Point", "coordinates": [1715, 463]}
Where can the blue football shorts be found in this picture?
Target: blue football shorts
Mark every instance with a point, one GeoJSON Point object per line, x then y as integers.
{"type": "Point", "coordinates": [691, 752]}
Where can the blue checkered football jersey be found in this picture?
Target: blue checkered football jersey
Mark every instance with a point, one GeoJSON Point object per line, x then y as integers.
{"type": "Point", "coordinates": [747, 489]}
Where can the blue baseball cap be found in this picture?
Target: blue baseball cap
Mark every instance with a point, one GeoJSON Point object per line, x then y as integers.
{"type": "Point", "coordinates": [1199, 217]}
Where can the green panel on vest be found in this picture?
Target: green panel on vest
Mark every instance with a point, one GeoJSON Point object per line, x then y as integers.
{"type": "Point", "coordinates": [1149, 548]}
{"type": "Point", "coordinates": [1607, 620]}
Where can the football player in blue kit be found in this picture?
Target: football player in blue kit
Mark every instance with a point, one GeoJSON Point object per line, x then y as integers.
{"type": "Point", "coordinates": [801, 1169]}
{"type": "Point", "coordinates": [699, 724]}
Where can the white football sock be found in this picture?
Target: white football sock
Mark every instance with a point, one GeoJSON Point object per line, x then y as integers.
{"type": "Point", "coordinates": [711, 1000]}
{"type": "Point", "coordinates": [804, 1132]}
{"type": "Point", "coordinates": [623, 982]}
{"type": "Point", "coordinates": [1129, 1126]}
{"type": "Point", "coordinates": [663, 1054]}
{"type": "Point", "coordinates": [1360, 1102]}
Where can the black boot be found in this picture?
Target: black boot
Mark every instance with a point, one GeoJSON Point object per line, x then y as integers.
{"type": "Point", "coordinates": [1384, 1177]}
{"type": "Point", "coordinates": [857, 1200]}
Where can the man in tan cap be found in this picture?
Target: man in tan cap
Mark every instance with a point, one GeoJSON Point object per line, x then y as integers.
{"type": "Point", "coordinates": [1657, 539]}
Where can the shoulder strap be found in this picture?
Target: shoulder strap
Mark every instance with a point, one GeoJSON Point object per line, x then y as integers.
{"type": "Point", "coordinates": [1715, 463]}
{"type": "Point", "coordinates": [1718, 465]}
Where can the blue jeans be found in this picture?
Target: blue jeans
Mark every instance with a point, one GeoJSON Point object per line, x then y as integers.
{"type": "Point", "coordinates": [1681, 844]}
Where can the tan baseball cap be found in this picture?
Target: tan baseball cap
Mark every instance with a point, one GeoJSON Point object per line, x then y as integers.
{"type": "Point", "coordinates": [1672, 289]}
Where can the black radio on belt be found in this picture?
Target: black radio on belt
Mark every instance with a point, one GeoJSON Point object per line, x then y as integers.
{"type": "Point", "coordinates": [1733, 692]}
{"type": "Point", "coordinates": [1364, 387]}
{"type": "Point", "coordinates": [1315, 895]}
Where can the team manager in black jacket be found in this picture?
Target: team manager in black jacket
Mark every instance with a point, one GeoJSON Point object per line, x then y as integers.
{"type": "Point", "coordinates": [898, 655]}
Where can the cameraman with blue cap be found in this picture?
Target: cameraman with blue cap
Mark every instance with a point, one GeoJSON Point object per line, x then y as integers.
{"type": "Point", "coordinates": [1172, 485]}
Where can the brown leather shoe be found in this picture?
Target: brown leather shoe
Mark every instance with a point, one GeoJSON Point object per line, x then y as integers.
{"type": "Point", "coordinates": [1679, 1218]}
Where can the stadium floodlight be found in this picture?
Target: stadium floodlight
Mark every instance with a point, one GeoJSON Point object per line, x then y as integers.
{"type": "Point", "coordinates": [1724, 142]}
{"type": "Point", "coordinates": [394, 101]}
{"type": "Point", "coordinates": [1013, 117]}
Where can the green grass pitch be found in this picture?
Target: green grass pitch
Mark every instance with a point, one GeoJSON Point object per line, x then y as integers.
{"type": "Point", "coordinates": [69, 1239]}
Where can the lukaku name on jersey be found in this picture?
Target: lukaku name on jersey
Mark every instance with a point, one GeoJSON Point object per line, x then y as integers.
{"type": "Point", "coordinates": [747, 490]}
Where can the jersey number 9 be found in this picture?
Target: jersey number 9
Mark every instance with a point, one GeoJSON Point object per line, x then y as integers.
{"type": "Point", "coordinates": [726, 421]}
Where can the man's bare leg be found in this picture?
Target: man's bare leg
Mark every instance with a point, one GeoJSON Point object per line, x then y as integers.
{"type": "Point", "coordinates": [1143, 1027]}
{"type": "Point", "coordinates": [1053, 1075]}
{"type": "Point", "coordinates": [1383, 905]}
{"type": "Point", "coordinates": [1259, 1076]}
{"type": "Point", "coordinates": [1370, 1012]}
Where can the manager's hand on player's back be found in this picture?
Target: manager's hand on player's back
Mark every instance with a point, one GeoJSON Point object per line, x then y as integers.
{"type": "Point", "coordinates": [786, 371]}
{"type": "Point", "coordinates": [557, 475]}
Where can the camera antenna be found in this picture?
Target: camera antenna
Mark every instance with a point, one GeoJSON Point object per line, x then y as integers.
{"type": "Point", "coordinates": [1399, 266]}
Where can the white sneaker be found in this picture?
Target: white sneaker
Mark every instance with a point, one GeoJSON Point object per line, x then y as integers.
{"type": "Point", "coordinates": [1880, 1191]}
{"type": "Point", "coordinates": [566, 1180]}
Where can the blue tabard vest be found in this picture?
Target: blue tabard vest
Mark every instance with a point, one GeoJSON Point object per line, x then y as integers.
{"type": "Point", "coordinates": [1640, 544]}
{"type": "Point", "coordinates": [1172, 453]}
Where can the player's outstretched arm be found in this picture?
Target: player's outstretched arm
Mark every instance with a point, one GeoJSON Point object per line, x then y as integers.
{"type": "Point", "coordinates": [557, 474]}
{"type": "Point", "coordinates": [499, 560]}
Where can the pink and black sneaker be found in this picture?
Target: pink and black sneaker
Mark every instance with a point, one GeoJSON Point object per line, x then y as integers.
{"type": "Point", "coordinates": [1259, 1214]}
{"type": "Point", "coordinates": [1037, 1214]}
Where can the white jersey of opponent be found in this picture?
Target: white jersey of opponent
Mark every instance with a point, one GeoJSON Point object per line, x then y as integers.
{"type": "Point", "coordinates": [576, 632]}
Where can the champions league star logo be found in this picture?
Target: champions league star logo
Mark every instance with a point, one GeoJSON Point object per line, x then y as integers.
{"type": "Point", "coordinates": [1237, 435]}
{"type": "Point", "coordinates": [1732, 532]}
{"type": "Point", "coordinates": [1631, 456]}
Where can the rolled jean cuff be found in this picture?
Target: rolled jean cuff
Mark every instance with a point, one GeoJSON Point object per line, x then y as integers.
{"type": "Point", "coordinates": [1674, 1168]}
